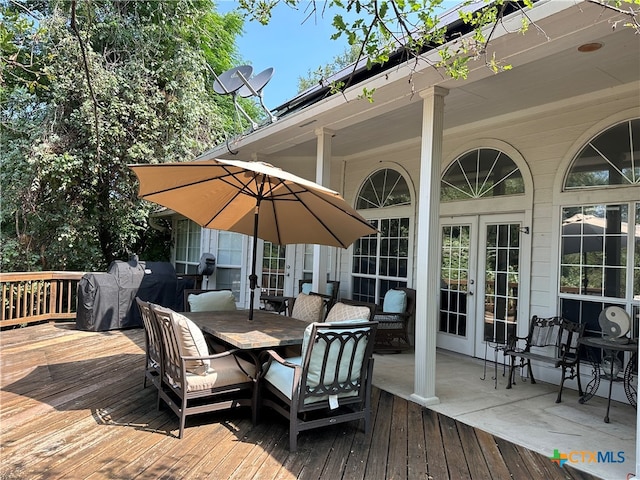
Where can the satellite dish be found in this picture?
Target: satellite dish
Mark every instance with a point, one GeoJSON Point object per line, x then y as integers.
{"type": "Point", "coordinates": [231, 80]}
{"type": "Point", "coordinates": [237, 81]}
{"type": "Point", "coordinates": [615, 324]}
{"type": "Point", "coordinates": [256, 83]}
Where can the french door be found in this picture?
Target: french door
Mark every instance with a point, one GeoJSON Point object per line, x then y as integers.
{"type": "Point", "coordinates": [277, 276]}
{"type": "Point", "coordinates": [480, 282]}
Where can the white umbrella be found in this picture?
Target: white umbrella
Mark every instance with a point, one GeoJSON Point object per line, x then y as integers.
{"type": "Point", "coordinates": [253, 198]}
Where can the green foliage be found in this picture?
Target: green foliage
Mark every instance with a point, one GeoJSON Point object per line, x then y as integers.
{"type": "Point", "coordinates": [69, 200]}
{"type": "Point", "coordinates": [319, 75]}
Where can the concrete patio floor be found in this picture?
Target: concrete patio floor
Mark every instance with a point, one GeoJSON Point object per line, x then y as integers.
{"type": "Point", "coordinates": [526, 415]}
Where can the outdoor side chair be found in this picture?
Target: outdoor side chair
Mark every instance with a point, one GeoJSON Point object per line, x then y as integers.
{"type": "Point", "coordinates": [330, 383]}
{"type": "Point", "coordinates": [347, 309]}
{"type": "Point", "coordinates": [193, 381]}
{"type": "Point", "coordinates": [398, 311]}
{"type": "Point", "coordinates": [153, 345]}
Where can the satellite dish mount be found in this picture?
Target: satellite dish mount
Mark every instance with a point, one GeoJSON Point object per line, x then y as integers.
{"type": "Point", "coordinates": [238, 81]}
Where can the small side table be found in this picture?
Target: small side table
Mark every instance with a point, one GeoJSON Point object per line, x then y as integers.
{"type": "Point", "coordinates": [497, 347]}
{"type": "Point", "coordinates": [610, 349]}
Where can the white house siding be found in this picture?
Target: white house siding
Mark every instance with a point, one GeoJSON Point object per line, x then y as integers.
{"type": "Point", "coordinates": [543, 136]}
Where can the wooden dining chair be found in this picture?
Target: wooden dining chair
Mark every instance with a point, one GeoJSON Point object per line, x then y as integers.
{"type": "Point", "coordinates": [330, 383]}
{"type": "Point", "coordinates": [193, 380]}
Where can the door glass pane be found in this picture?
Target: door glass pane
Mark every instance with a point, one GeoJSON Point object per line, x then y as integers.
{"type": "Point", "coordinates": [501, 279]}
{"type": "Point", "coordinates": [273, 269]}
{"type": "Point", "coordinates": [454, 271]}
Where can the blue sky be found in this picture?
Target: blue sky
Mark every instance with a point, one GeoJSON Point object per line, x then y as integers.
{"type": "Point", "coordinates": [291, 47]}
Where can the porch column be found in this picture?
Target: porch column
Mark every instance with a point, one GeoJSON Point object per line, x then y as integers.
{"type": "Point", "coordinates": [323, 177]}
{"type": "Point", "coordinates": [428, 253]}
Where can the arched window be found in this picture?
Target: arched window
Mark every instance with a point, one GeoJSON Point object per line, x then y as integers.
{"type": "Point", "coordinates": [481, 173]}
{"type": "Point", "coordinates": [381, 260]}
{"type": "Point", "coordinates": [609, 159]}
{"type": "Point", "coordinates": [600, 238]}
{"type": "Point", "coordinates": [384, 188]}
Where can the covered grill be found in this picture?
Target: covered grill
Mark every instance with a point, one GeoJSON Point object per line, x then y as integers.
{"type": "Point", "coordinates": [106, 301]}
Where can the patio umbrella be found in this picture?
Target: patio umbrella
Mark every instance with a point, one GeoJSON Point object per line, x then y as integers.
{"type": "Point", "coordinates": [253, 198]}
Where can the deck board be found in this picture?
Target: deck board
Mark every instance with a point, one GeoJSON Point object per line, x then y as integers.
{"type": "Point", "coordinates": [72, 406]}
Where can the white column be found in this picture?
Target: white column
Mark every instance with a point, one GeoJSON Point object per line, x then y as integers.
{"type": "Point", "coordinates": [323, 177]}
{"type": "Point", "coordinates": [638, 431]}
{"type": "Point", "coordinates": [428, 254]}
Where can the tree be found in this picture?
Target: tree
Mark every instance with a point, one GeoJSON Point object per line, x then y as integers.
{"type": "Point", "coordinates": [320, 75]}
{"type": "Point", "coordinates": [88, 88]}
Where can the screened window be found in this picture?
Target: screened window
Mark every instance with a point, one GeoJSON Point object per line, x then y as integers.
{"type": "Point", "coordinates": [187, 246]}
{"type": "Point", "coordinates": [384, 188]}
{"type": "Point", "coordinates": [611, 158]}
{"type": "Point", "coordinates": [481, 173]}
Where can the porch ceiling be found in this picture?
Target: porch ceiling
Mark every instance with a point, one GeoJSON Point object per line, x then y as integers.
{"type": "Point", "coordinates": [545, 70]}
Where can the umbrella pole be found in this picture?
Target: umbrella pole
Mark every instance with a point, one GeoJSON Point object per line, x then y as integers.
{"type": "Point", "coordinates": [253, 278]}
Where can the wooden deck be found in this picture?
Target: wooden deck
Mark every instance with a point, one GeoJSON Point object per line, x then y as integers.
{"type": "Point", "coordinates": [72, 406]}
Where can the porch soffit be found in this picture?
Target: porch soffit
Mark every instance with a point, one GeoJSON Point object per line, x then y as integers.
{"type": "Point", "coordinates": [550, 71]}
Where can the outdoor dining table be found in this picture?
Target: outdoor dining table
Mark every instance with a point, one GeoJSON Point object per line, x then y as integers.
{"type": "Point", "coordinates": [266, 330]}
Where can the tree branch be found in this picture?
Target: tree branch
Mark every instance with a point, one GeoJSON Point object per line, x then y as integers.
{"type": "Point", "coordinates": [85, 62]}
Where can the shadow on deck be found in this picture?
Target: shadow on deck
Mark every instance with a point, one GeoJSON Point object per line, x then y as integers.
{"type": "Point", "coordinates": [72, 406]}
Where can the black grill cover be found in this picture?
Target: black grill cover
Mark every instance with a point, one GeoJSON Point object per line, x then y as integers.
{"type": "Point", "coordinates": [97, 302]}
{"type": "Point", "coordinates": [106, 301]}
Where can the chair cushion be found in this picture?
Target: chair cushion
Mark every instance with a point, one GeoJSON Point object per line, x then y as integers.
{"type": "Point", "coordinates": [281, 376]}
{"type": "Point", "coordinates": [316, 361]}
{"type": "Point", "coordinates": [309, 308]}
{"type": "Point", "coordinates": [224, 371]}
{"type": "Point", "coordinates": [395, 301]}
{"type": "Point", "coordinates": [341, 311]}
{"type": "Point", "coordinates": [222, 300]}
{"type": "Point", "coordinates": [192, 343]}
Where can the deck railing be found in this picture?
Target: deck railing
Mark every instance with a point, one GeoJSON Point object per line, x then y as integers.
{"type": "Point", "coordinates": [29, 297]}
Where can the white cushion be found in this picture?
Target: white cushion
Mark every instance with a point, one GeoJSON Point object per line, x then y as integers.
{"type": "Point", "coordinates": [395, 301]}
{"type": "Point", "coordinates": [213, 301]}
{"type": "Point", "coordinates": [341, 311]}
{"type": "Point", "coordinates": [224, 371]}
{"type": "Point", "coordinates": [309, 308]}
{"type": "Point", "coordinates": [192, 344]}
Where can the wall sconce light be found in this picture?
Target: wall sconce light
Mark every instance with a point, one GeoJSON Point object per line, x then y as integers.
{"type": "Point", "coordinates": [525, 230]}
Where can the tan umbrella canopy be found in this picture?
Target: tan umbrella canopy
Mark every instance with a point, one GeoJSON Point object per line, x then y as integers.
{"type": "Point", "coordinates": [253, 198]}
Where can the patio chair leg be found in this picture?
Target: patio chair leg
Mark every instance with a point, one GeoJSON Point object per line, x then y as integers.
{"type": "Point", "coordinates": [511, 372]}
{"type": "Point", "coordinates": [533, 380]}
